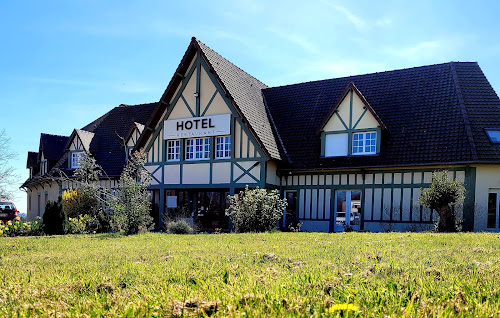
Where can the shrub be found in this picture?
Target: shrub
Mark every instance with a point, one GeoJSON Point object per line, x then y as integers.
{"type": "Point", "coordinates": [256, 210]}
{"type": "Point", "coordinates": [131, 205]}
{"type": "Point", "coordinates": [54, 218]}
{"type": "Point", "coordinates": [76, 203]}
{"type": "Point", "coordinates": [78, 225]}
{"type": "Point", "coordinates": [179, 227]}
{"type": "Point", "coordinates": [441, 196]}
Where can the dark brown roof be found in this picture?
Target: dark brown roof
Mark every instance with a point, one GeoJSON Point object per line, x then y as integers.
{"type": "Point", "coordinates": [434, 114]}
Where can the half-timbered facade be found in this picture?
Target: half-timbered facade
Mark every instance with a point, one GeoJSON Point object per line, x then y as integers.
{"type": "Point", "coordinates": [350, 152]}
{"type": "Point", "coordinates": [346, 153]}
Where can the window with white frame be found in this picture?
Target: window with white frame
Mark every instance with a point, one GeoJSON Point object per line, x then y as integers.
{"type": "Point", "coordinates": [173, 150]}
{"type": "Point", "coordinates": [75, 159]}
{"type": "Point", "coordinates": [493, 209]}
{"type": "Point", "coordinates": [364, 143]}
{"type": "Point", "coordinates": [223, 147]}
{"type": "Point", "coordinates": [198, 148]}
{"type": "Point", "coordinates": [43, 167]}
{"type": "Point", "coordinates": [31, 172]}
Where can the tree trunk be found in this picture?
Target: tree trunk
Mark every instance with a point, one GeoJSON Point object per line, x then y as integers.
{"type": "Point", "coordinates": [446, 222]}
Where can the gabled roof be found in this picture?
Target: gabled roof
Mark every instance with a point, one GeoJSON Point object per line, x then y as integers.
{"type": "Point", "coordinates": [434, 114]}
{"type": "Point", "coordinates": [52, 146]}
{"type": "Point", "coordinates": [86, 138]}
{"type": "Point", "coordinates": [110, 130]}
{"type": "Point", "coordinates": [135, 125]}
{"type": "Point", "coordinates": [242, 89]}
{"type": "Point", "coordinates": [350, 87]}
{"type": "Point", "coordinates": [32, 159]}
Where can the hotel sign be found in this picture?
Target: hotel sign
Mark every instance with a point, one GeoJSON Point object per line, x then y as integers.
{"type": "Point", "coordinates": [215, 125]}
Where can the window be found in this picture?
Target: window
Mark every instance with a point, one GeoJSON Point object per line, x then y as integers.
{"type": "Point", "coordinates": [173, 150]}
{"type": "Point", "coordinates": [31, 172]}
{"type": "Point", "coordinates": [493, 209]}
{"type": "Point", "coordinates": [223, 147]}
{"type": "Point", "coordinates": [494, 135]}
{"type": "Point", "coordinates": [364, 143]}
{"type": "Point", "coordinates": [75, 159]}
{"type": "Point", "coordinates": [129, 152]}
{"type": "Point", "coordinates": [198, 148]}
{"type": "Point", "coordinates": [43, 167]}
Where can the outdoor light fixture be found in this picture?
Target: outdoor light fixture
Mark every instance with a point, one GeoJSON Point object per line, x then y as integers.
{"type": "Point", "coordinates": [195, 94]}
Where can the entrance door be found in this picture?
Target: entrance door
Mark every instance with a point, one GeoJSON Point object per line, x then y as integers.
{"type": "Point", "coordinates": [289, 215]}
{"type": "Point", "coordinates": [347, 210]}
{"type": "Point", "coordinates": [493, 210]}
{"type": "Point", "coordinates": [210, 210]}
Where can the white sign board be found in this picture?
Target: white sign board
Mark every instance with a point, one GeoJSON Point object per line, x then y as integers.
{"type": "Point", "coordinates": [215, 125]}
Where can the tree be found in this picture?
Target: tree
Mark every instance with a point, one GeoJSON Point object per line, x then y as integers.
{"type": "Point", "coordinates": [89, 198]}
{"type": "Point", "coordinates": [7, 173]}
{"type": "Point", "coordinates": [131, 205]}
{"type": "Point", "coordinates": [256, 210]}
{"type": "Point", "coordinates": [441, 196]}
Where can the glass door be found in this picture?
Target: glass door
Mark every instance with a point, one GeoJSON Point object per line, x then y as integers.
{"type": "Point", "coordinates": [493, 210]}
{"type": "Point", "coordinates": [347, 210]}
{"type": "Point", "coordinates": [289, 218]}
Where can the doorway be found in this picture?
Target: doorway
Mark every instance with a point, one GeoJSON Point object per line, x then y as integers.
{"type": "Point", "coordinates": [289, 215]}
{"type": "Point", "coordinates": [347, 210]}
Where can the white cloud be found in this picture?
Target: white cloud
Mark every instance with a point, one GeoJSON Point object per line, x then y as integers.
{"type": "Point", "coordinates": [358, 22]}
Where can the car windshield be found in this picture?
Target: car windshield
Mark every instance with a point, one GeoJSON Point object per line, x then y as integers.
{"type": "Point", "coordinates": [6, 206]}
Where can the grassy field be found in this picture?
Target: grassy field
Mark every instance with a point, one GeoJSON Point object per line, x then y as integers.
{"type": "Point", "coordinates": [273, 274]}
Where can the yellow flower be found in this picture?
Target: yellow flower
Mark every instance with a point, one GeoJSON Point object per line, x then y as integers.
{"type": "Point", "coordinates": [1, 232]}
{"type": "Point", "coordinates": [342, 307]}
{"type": "Point", "coordinates": [18, 218]}
{"type": "Point", "coordinates": [9, 223]}
{"type": "Point", "coordinates": [15, 227]}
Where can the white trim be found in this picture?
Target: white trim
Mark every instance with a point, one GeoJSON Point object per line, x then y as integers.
{"type": "Point", "coordinates": [175, 146]}
{"type": "Point", "coordinates": [192, 150]}
{"type": "Point", "coordinates": [360, 147]}
{"type": "Point", "coordinates": [225, 147]}
{"type": "Point", "coordinates": [75, 158]}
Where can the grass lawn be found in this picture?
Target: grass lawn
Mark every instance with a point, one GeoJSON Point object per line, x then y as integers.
{"type": "Point", "coordinates": [272, 274]}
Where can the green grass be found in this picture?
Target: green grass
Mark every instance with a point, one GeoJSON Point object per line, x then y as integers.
{"type": "Point", "coordinates": [273, 274]}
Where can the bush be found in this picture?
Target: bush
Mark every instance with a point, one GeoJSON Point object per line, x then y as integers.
{"type": "Point", "coordinates": [78, 225]}
{"type": "Point", "coordinates": [54, 218]}
{"type": "Point", "coordinates": [131, 205]}
{"type": "Point", "coordinates": [179, 227]}
{"type": "Point", "coordinates": [441, 196]}
{"type": "Point", "coordinates": [76, 203]}
{"type": "Point", "coordinates": [256, 210]}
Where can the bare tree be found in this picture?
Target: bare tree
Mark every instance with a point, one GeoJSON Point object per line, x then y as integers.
{"type": "Point", "coordinates": [7, 173]}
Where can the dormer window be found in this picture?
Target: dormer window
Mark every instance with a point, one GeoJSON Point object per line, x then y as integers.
{"type": "Point", "coordinates": [494, 135]}
{"type": "Point", "coordinates": [43, 167]}
{"type": "Point", "coordinates": [75, 159]}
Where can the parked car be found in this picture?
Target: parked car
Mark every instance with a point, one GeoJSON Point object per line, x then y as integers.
{"type": "Point", "coordinates": [8, 211]}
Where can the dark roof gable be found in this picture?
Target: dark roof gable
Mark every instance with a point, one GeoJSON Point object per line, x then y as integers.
{"type": "Point", "coordinates": [52, 146]}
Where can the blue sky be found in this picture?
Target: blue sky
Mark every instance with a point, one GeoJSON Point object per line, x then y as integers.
{"type": "Point", "coordinates": [65, 63]}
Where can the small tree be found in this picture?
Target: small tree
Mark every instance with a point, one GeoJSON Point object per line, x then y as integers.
{"type": "Point", "coordinates": [54, 219]}
{"type": "Point", "coordinates": [256, 210]}
{"type": "Point", "coordinates": [441, 196]}
{"type": "Point", "coordinates": [7, 173]}
{"type": "Point", "coordinates": [131, 203]}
